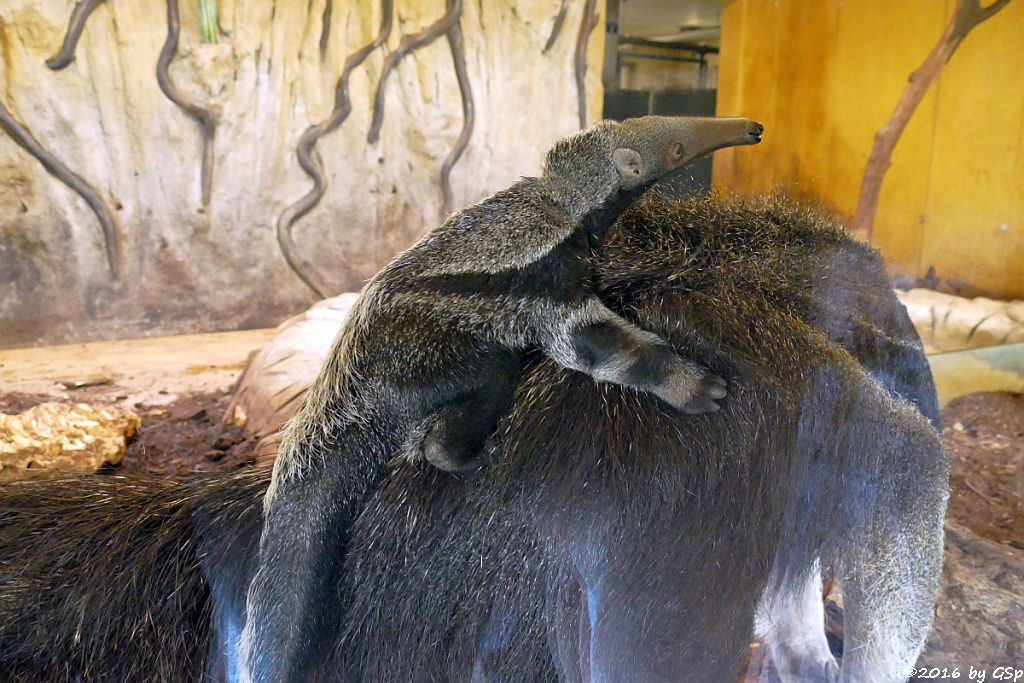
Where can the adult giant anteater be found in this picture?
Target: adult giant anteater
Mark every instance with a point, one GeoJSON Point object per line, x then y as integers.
{"type": "Point", "coordinates": [610, 537]}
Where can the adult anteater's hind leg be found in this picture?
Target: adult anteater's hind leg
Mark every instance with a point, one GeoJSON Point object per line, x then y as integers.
{"type": "Point", "coordinates": [883, 510]}
{"type": "Point", "coordinates": [889, 576]}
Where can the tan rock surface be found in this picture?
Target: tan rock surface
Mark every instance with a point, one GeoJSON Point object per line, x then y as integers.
{"type": "Point", "coordinates": [949, 323]}
{"type": "Point", "coordinates": [277, 376]}
{"type": "Point", "coordinates": [127, 372]}
{"type": "Point", "coordinates": [53, 439]}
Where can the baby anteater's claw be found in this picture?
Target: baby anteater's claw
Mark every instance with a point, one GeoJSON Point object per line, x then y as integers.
{"type": "Point", "coordinates": [718, 386]}
{"type": "Point", "coordinates": [710, 389]}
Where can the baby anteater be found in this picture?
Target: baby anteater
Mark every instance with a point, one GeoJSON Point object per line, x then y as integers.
{"type": "Point", "coordinates": [425, 365]}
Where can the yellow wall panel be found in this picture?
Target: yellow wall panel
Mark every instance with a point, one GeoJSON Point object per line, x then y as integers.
{"type": "Point", "coordinates": [879, 44]}
{"type": "Point", "coordinates": [824, 76]}
{"type": "Point", "coordinates": [977, 158]}
{"type": "Point", "coordinates": [812, 60]}
{"type": "Point", "coordinates": [730, 80]}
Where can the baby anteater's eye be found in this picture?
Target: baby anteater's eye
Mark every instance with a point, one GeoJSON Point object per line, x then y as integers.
{"type": "Point", "coordinates": [675, 152]}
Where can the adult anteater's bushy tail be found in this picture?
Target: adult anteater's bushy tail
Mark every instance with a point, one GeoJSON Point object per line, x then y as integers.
{"type": "Point", "coordinates": [107, 577]}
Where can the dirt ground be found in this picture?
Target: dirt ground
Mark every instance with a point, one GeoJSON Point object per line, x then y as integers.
{"type": "Point", "coordinates": [179, 386]}
{"type": "Point", "coordinates": [985, 436]}
{"type": "Point", "coordinates": [187, 436]}
{"type": "Point", "coordinates": [176, 439]}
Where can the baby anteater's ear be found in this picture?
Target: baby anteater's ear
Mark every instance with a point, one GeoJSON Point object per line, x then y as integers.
{"type": "Point", "coordinates": [630, 166]}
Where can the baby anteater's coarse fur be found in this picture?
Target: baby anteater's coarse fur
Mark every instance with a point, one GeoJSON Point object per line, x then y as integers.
{"type": "Point", "coordinates": [611, 537]}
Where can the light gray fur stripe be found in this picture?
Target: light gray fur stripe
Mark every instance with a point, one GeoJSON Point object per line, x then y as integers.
{"type": "Point", "coordinates": [791, 622]}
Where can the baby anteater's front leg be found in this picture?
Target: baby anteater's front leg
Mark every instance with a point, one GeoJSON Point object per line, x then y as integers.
{"type": "Point", "coordinates": [611, 349]}
{"type": "Point", "coordinates": [455, 434]}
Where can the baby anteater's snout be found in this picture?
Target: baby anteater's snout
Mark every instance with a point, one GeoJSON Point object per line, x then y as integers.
{"type": "Point", "coordinates": [702, 136]}
{"type": "Point", "coordinates": [754, 131]}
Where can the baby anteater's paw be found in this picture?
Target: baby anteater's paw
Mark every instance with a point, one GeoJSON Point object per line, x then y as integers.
{"type": "Point", "coordinates": [449, 456]}
{"type": "Point", "coordinates": [692, 389]}
{"type": "Point", "coordinates": [710, 388]}
{"type": "Point", "coordinates": [454, 437]}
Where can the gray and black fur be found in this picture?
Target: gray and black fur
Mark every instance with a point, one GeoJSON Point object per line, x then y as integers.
{"type": "Point", "coordinates": [425, 365]}
{"type": "Point", "coordinates": [611, 538]}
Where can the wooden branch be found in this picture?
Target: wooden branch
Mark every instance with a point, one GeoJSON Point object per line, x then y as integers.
{"type": "Point", "coordinates": [556, 28]}
{"type": "Point", "coordinates": [24, 138]}
{"type": "Point", "coordinates": [207, 123]}
{"type": "Point", "coordinates": [968, 14]}
{"type": "Point", "coordinates": [79, 15]}
{"type": "Point", "coordinates": [411, 42]}
{"type": "Point", "coordinates": [458, 50]}
{"type": "Point", "coordinates": [307, 143]}
{"type": "Point", "coordinates": [587, 24]}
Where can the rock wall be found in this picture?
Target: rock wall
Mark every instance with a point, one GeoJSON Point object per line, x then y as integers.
{"type": "Point", "coordinates": [184, 266]}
